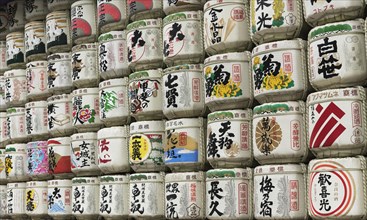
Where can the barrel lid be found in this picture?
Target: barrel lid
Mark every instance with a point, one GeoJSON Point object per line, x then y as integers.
{"type": "Point", "coordinates": [297, 44]}
{"type": "Point", "coordinates": [15, 73]}
{"type": "Point", "coordinates": [112, 35]}
{"type": "Point", "coordinates": [15, 111]}
{"type": "Point", "coordinates": [16, 185]}
{"type": "Point", "coordinates": [229, 173]}
{"type": "Point", "coordinates": [185, 123]}
{"type": "Point", "coordinates": [183, 16]}
{"type": "Point", "coordinates": [147, 23]}
{"type": "Point", "coordinates": [37, 184]}
{"type": "Point", "coordinates": [83, 47]}
{"type": "Point", "coordinates": [146, 74]}
{"type": "Point", "coordinates": [15, 34]}
{"type": "Point", "coordinates": [34, 24]}
{"type": "Point", "coordinates": [113, 132]}
{"type": "Point", "coordinates": [37, 144]}
{"type": "Point", "coordinates": [21, 148]}
{"type": "Point", "coordinates": [230, 115]}
{"type": "Point", "coordinates": [60, 98]}
{"type": "Point", "coordinates": [77, 181]}
{"type": "Point", "coordinates": [146, 126]}
{"type": "Point", "coordinates": [37, 104]}
{"type": "Point", "coordinates": [56, 182]}
{"type": "Point", "coordinates": [115, 179]}
{"type": "Point", "coordinates": [279, 169]}
{"type": "Point", "coordinates": [114, 82]}
{"type": "Point", "coordinates": [34, 64]}
{"type": "Point", "coordinates": [59, 56]}
{"type": "Point", "coordinates": [332, 164]}
{"type": "Point", "coordinates": [184, 68]}
{"type": "Point", "coordinates": [84, 136]}
{"type": "Point", "coordinates": [280, 107]}
{"type": "Point", "coordinates": [59, 141]}
{"type": "Point", "coordinates": [85, 91]}
{"type": "Point", "coordinates": [228, 57]}
{"type": "Point", "coordinates": [55, 14]}
{"type": "Point", "coordinates": [354, 93]}
{"type": "Point", "coordinates": [351, 26]}
{"type": "Point", "coordinates": [147, 177]}
{"type": "Point", "coordinates": [212, 3]}
{"type": "Point", "coordinates": [186, 176]}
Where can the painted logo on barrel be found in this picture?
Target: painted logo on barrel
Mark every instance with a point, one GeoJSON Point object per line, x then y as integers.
{"type": "Point", "coordinates": [331, 193]}
{"type": "Point", "coordinates": [328, 127]}
{"type": "Point", "coordinates": [268, 135]}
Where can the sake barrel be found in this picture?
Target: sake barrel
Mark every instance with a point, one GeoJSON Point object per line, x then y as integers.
{"type": "Point", "coordinates": [37, 80]}
{"type": "Point", "coordinates": [282, 188]}
{"type": "Point", "coordinates": [183, 91]}
{"type": "Point", "coordinates": [279, 71]}
{"type": "Point", "coordinates": [36, 204]}
{"type": "Point", "coordinates": [16, 162]}
{"type": "Point", "coordinates": [16, 15]}
{"type": "Point", "coordinates": [279, 133]}
{"type": "Point", "coordinates": [15, 87]}
{"type": "Point", "coordinates": [15, 52]}
{"type": "Point", "coordinates": [229, 194]}
{"type": "Point", "coordinates": [113, 149]}
{"type": "Point", "coordinates": [58, 30]}
{"type": "Point", "coordinates": [59, 198]}
{"type": "Point", "coordinates": [146, 146]}
{"type": "Point", "coordinates": [86, 110]}
{"type": "Point", "coordinates": [113, 102]}
{"type": "Point", "coordinates": [185, 144]}
{"type": "Point", "coordinates": [184, 195]}
{"type": "Point", "coordinates": [59, 115]}
{"type": "Point", "coordinates": [336, 187]}
{"type": "Point", "coordinates": [144, 44]}
{"type": "Point", "coordinates": [276, 20]}
{"type": "Point", "coordinates": [114, 196]}
{"type": "Point", "coordinates": [146, 195]}
{"type": "Point", "coordinates": [36, 120]}
{"type": "Point", "coordinates": [141, 9]}
{"type": "Point", "coordinates": [15, 125]}
{"type": "Point", "coordinates": [85, 191]}
{"type": "Point", "coordinates": [333, 64]}
{"type": "Point", "coordinates": [228, 81]}
{"type": "Point", "coordinates": [112, 15]}
{"type": "Point", "coordinates": [35, 10]}
{"type": "Point", "coordinates": [321, 12]}
{"type": "Point", "coordinates": [112, 56]}
{"type": "Point", "coordinates": [183, 40]}
{"type": "Point", "coordinates": [336, 122]}
{"type": "Point", "coordinates": [83, 22]}
{"type": "Point", "coordinates": [59, 152]}
{"type": "Point", "coordinates": [59, 79]}
{"type": "Point", "coordinates": [84, 154]}
{"type": "Point", "coordinates": [228, 139]}
{"type": "Point", "coordinates": [16, 200]}
{"type": "Point", "coordinates": [84, 65]}
{"type": "Point", "coordinates": [35, 40]}
{"type": "Point", "coordinates": [145, 95]}
{"type": "Point", "coordinates": [226, 26]}
{"type": "Point", "coordinates": [37, 160]}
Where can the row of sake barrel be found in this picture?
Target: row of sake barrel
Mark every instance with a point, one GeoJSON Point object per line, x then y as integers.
{"type": "Point", "coordinates": [332, 124]}
{"type": "Point", "coordinates": [274, 71]}
{"type": "Point", "coordinates": [336, 187]}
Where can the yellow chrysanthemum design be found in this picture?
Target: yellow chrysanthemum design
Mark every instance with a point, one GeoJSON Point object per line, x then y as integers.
{"type": "Point", "coordinates": [229, 90]}
{"type": "Point", "coordinates": [280, 81]}
{"type": "Point", "coordinates": [256, 60]}
{"type": "Point", "coordinates": [208, 70]}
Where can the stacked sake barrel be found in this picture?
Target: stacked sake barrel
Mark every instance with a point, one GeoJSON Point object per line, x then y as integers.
{"type": "Point", "coordinates": [336, 112]}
